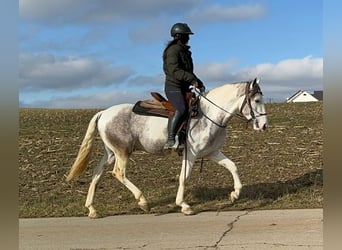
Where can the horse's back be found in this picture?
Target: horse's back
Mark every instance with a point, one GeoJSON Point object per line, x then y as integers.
{"type": "Point", "coordinates": [123, 113]}
{"type": "Point", "coordinates": [120, 126]}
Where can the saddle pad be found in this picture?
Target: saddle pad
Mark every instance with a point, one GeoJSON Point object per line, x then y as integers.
{"type": "Point", "coordinates": [141, 108]}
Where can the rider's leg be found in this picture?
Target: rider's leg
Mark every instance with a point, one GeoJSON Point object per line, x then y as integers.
{"type": "Point", "coordinates": [176, 97]}
{"type": "Point", "coordinates": [172, 127]}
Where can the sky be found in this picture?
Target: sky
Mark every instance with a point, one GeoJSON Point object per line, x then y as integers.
{"type": "Point", "coordinates": [95, 54]}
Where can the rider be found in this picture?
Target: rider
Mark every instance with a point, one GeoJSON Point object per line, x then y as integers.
{"type": "Point", "coordinates": [178, 69]}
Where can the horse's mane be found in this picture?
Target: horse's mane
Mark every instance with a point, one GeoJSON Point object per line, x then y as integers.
{"type": "Point", "coordinates": [238, 87]}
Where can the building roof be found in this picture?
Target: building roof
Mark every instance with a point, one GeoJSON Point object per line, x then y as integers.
{"type": "Point", "coordinates": [294, 96]}
{"type": "Point", "coordinates": [318, 94]}
{"type": "Point", "coordinates": [303, 96]}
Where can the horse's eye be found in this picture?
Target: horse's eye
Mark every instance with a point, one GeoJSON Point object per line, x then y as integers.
{"type": "Point", "coordinates": [257, 101]}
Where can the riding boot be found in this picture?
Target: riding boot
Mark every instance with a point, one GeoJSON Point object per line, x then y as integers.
{"type": "Point", "coordinates": [172, 129]}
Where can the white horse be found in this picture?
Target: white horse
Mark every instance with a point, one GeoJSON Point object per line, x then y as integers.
{"type": "Point", "coordinates": [122, 131]}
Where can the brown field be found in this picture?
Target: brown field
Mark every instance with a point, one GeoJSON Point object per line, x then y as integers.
{"type": "Point", "coordinates": [280, 168]}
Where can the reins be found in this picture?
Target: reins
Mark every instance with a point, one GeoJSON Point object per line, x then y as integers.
{"type": "Point", "coordinates": [217, 106]}
{"type": "Point", "coordinates": [248, 94]}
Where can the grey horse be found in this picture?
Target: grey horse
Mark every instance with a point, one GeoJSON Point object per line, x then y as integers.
{"type": "Point", "coordinates": [122, 131]}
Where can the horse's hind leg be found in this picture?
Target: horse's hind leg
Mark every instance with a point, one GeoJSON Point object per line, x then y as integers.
{"type": "Point", "coordinates": [119, 172]}
{"type": "Point", "coordinates": [107, 159]}
{"type": "Point", "coordinates": [221, 159]}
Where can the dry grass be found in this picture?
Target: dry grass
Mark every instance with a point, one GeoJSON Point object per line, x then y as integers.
{"type": "Point", "coordinates": [281, 168]}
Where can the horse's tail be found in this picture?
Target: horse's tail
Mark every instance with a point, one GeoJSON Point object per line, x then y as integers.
{"type": "Point", "coordinates": [84, 152]}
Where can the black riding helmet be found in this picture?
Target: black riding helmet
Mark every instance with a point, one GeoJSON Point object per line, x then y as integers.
{"type": "Point", "coordinates": [180, 28]}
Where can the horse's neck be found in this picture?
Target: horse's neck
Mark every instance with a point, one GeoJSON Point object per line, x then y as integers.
{"type": "Point", "coordinates": [225, 101]}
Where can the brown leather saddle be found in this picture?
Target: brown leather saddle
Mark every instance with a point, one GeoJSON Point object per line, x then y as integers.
{"type": "Point", "coordinates": [160, 106]}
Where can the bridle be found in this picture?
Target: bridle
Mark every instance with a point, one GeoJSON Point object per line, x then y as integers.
{"type": "Point", "coordinates": [249, 94]}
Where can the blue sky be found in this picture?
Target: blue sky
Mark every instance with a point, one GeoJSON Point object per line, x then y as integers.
{"type": "Point", "coordinates": [94, 54]}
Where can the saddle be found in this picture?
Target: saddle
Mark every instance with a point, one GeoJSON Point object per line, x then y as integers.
{"type": "Point", "coordinates": [161, 107]}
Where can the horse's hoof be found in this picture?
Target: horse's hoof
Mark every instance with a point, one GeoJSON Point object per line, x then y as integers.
{"type": "Point", "coordinates": [144, 206]}
{"type": "Point", "coordinates": [93, 215]}
{"type": "Point", "coordinates": [233, 197]}
{"type": "Point", "coordinates": [188, 211]}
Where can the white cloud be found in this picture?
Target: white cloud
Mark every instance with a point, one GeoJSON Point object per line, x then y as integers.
{"type": "Point", "coordinates": [150, 31]}
{"type": "Point", "coordinates": [104, 11]}
{"type": "Point", "coordinates": [196, 14]}
{"type": "Point", "coordinates": [217, 13]}
{"type": "Point", "coordinates": [286, 77]}
{"type": "Point", "coordinates": [215, 71]}
{"type": "Point", "coordinates": [295, 69]}
{"type": "Point", "coordinates": [278, 80]}
{"type": "Point", "coordinates": [289, 69]}
{"type": "Point", "coordinates": [156, 81]}
{"type": "Point", "coordinates": [98, 100]}
{"type": "Point", "coordinates": [47, 72]}
{"type": "Point", "coordinates": [48, 11]}
{"type": "Point", "coordinates": [152, 13]}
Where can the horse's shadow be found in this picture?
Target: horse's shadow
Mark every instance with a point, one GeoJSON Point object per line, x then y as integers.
{"type": "Point", "coordinates": [264, 193]}
{"type": "Point", "coordinates": [252, 197]}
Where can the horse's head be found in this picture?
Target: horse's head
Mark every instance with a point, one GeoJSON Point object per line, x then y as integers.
{"type": "Point", "coordinates": [253, 107]}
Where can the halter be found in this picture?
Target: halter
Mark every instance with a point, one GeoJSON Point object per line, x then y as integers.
{"type": "Point", "coordinates": [248, 95]}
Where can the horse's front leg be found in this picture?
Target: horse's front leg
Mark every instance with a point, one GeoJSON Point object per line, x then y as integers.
{"type": "Point", "coordinates": [187, 165]}
{"type": "Point", "coordinates": [221, 159]}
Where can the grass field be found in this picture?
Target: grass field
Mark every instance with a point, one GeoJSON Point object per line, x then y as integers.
{"type": "Point", "coordinates": [280, 168]}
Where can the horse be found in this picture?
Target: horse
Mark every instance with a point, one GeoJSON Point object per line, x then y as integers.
{"type": "Point", "coordinates": [122, 131]}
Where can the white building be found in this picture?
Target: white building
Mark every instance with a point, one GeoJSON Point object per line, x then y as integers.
{"type": "Point", "coordinates": [303, 96]}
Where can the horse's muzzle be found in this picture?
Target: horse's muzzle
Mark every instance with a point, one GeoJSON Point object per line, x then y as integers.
{"type": "Point", "coordinates": [260, 126]}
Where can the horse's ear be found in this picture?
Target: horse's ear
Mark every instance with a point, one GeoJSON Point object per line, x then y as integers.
{"type": "Point", "coordinates": [256, 81]}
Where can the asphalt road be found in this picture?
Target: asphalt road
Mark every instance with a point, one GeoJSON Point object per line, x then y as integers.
{"type": "Point", "coordinates": [269, 229]}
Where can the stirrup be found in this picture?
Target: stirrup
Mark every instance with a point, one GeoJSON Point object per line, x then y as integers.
{"type": "Point", "coordinates": [179, 146]}
{"type": "Point", "coordinates": [176, 145]}
{"type": "Point", "coordinates": [169, 145]}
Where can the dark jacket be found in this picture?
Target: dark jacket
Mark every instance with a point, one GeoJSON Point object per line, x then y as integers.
{"type": "Point", "coordinates": [178, 66]}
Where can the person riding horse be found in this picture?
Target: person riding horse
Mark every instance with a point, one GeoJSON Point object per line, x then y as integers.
{"type": "Point", "coordinates": [179, 76]}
